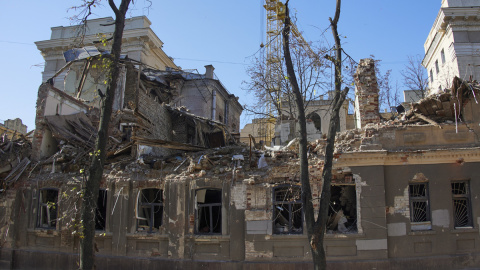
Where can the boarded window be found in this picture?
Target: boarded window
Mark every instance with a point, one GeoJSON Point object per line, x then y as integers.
{"type": "Point", "coordinates": [149, 210]}
{"type": "Point", "coordinates": [101, 211]}
{"type": "Point", "coordinates": [47, 208]}
{"type": "Point", "coordinates": [462, 212]}
{"type": "Point", "coordinates": [342, 213]}
{"type": "Point", "coordinates": [287, 210]}
{"type": "Point", "coordinates": [208, 211]}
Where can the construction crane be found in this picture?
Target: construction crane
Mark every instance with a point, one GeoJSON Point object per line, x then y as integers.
{"type": "Point", "coordinates": [275, 14]}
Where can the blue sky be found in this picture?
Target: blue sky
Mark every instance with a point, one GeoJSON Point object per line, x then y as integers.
{"type": "Point", "coordinates": [224, 33]}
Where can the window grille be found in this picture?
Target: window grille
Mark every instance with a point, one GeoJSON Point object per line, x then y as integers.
{"type": "Point", "coordinates": [419, 202]}
{"type": "Point", "coordinates": [461, 204]}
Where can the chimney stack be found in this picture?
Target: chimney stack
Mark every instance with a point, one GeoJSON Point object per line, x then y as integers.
{"type": "Point", "coordinates": [209, 71]}
{"type": "Point", "coordinates": [366, 94]}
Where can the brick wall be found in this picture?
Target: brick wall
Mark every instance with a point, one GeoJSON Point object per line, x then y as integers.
{"type": "Point", "coordinates": [366, 91]}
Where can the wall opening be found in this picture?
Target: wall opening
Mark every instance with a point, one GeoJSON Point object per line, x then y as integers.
{"type": "Point", "coordinates": [101, 211]}
{"type": "Point", "coordinates": [209, 211]}
{"type": "Point", "coordinates": [317, 121]}
{"type": "Point", "coordinates": [47, 208]}
{"type": "Point", "coordinates": [342, 213]}
{"type": "Point", "coordinates": [149, 210]}
{"type": "Point", "coordinates": [287, 210]}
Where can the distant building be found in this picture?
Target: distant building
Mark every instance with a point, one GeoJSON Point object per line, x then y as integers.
{"type": "Point", "coordinates": [13, 128]}
{"type": "Point", "coordinates": [140, 43]}
{"type": "Point", "coordinates": [453, 46]}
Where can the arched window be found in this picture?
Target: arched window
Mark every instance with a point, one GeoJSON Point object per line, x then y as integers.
{"type": "Point", "coordinates": [316, 119]}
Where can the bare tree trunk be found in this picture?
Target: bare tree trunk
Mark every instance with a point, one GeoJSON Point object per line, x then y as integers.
{"type": "Point", "coordinates": [316, 229]}
{"type": "Point", "coordinates": [299, 102]}
{"type": "Point", "coordinates": [95, 173]}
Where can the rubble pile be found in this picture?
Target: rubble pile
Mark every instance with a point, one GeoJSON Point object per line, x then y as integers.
{"type": "Point", "coordinates": [14, 159]}
{"type": "Point", "coordinates": [444, 107]}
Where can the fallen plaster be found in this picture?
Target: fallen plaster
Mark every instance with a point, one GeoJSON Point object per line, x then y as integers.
{"type": "Point", "coordinates": [251, 253]}
{"type": "Point", "coordinates": [401, 204]}
{"type": "Point", "coordinates": [441, 218]}
{"type": "Point", "coordinates": [238, 196]}
{"type": "Point", "coordinates": [397, 229]}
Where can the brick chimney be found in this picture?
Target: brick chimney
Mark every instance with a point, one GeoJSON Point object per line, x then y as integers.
{"type": "Point", "coordinates": [209, 71]}
{"type": "Point", "coordinates": [366, 94]}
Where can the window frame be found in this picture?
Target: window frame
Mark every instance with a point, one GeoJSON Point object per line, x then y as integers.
{"type": "Point", "coordinates": [210, 207]}
{"type": "Point", "coordinates": [442, 56]}
{"type": "Point", "coordinates": [418, 225]}
{"type": "Point", "coordinates": [151, 206]}
{"type": "Point", "coordinates": [462, 197]}
{"type": "Point", "coordinates": [290, 203]}
{"type": "Point", "coordinates": [354, 228]}
{"type": "Point", "coordinates": [47, 205]}
{"type": "Point", "coordinates": [102, 220]}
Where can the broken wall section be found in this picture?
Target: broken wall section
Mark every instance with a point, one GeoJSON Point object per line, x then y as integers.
{"type": "Point", "coordinates": [366, 93]}
{"type": "Point", "coordinates": [154, 123]}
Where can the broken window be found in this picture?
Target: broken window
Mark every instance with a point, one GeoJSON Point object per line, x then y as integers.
{"type": "Point", "coordinates": [209, 211]}
{"type": "Point", "coordinates": [419, 206]}
{"type": "Point", "coordinates": [342, 213]}
{"type": "Point", "coordinates": [461, 204]}
{"type": "Point", "coordinates": [287, 210]}
{"type": "Point", "coordinates": [149, 210]}
{"type": "Point", "coordinates": [101, 211]}
{"type": "Point", "coordinates": [47, 208]}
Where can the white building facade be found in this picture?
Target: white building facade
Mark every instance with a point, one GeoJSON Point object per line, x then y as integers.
{"type": "Point", "coordinates": [452, 47]}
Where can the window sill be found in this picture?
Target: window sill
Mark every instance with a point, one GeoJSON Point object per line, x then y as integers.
{"type": "Point", "coordinates": [421, 226]}
{"type": "Point", "coordinates": [103, 234]}
{"type": "Point", "coordinates": [44, 232]}
{"type": "Point", "coordinates": [292, 235]}
{"type": "Point", "coordinates": [144, 235]}
{"type": "Point", "coordinates": [464, 230]}
{"type": "Point", "coordinates": [344, 235]}
{"type": "Point", "coordinates": [210, 238]}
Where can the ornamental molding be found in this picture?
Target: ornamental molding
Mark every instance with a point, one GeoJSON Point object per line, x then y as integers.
{"type": "Point", "coordinates": [384, 158]}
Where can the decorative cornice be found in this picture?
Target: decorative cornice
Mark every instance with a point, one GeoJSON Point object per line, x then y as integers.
{"type": "Point", "coordinates": [385, 158]}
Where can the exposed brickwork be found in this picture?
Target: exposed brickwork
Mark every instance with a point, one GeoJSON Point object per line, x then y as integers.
{"type": "Point", "coordinates": [366, 91]}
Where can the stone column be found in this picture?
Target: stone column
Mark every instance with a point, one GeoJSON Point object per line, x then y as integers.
{"type": "Point", "coordinates": [366, 94]}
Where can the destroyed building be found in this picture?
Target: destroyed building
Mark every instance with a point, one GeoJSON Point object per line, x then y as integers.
{"type": "Point", "coordinates": [13, 128]}
{"type": "Point", "coordinates": [177, 192]}
{"type": "Point", "coordinates": [284, 129]}
{"type": "Point", "coordinates": [403, 192]}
